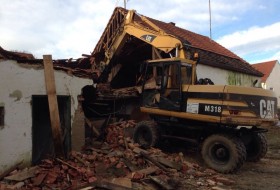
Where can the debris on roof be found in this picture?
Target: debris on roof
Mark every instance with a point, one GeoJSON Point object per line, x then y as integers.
{"type": "Point", "coordinates": [80, 67]}
{"type": "Point", "coordinates": [4, 54]}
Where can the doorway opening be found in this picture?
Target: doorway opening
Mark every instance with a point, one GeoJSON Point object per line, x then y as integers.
{"type": "Point", "coordinates": [42, 143]}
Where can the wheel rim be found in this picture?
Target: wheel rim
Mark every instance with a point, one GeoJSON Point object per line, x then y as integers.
{"type": "Point", "coordinates": [220, 153]}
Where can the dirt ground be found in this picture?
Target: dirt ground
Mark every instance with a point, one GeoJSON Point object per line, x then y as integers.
{"type": "Point", "coordinates": [264, 174]}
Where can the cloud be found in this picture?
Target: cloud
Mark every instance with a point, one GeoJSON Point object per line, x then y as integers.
{"type": "Point", "coordinates": [270, 57]}
{"type": "Point", "coordinates": [255, 39]}
{"type": "Point", "coordinates": [62, 28]}
{"type": "Point", "coordinates": [191, 14]}
{"type": "Point", "coordinates": [276, 55]}
{"type": "Point", "coordinates": [68, 28]}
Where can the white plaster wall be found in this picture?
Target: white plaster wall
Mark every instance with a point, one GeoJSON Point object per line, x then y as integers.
{"type": "Point", "coordinates": [218, 76]}
{"type": "Point", "coordinates": [18, 84]}
{"type": "Point", "coordinates": [273, 81]}
{"type": "Point", "coordinates": [221, 76]}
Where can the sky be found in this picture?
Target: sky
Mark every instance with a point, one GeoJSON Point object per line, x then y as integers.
{"type": "Point", "coordinates": [70, 28]}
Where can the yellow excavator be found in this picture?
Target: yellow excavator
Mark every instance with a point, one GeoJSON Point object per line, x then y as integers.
{"type": "Point", "coordinates": [228, 122]}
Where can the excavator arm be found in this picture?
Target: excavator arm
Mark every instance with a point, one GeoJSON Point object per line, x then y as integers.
{"type": "Point", "coordinates": [144, 30]}
{"type": "Point", "coordinates": [155, 36]}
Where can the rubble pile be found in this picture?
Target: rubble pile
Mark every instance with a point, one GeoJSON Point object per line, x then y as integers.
{"type": "Point", "coordinates": [118, 164]}
{"type": "Point", "coordinates": [117, 134]}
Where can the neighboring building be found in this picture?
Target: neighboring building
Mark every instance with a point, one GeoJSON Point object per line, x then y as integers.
{"type": "Point", "coordinates": [25, 133]}
{"type": "Point", "coordinates": [216, 62]}
{"type": "Point", "coordinates": [270, 80]}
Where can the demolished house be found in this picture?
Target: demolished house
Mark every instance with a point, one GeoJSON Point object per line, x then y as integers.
{"type": "Point", "coordinates": [119, 54]}
{"type": "Point", "coordinates": [114, 66]}
{"type": "Point", "coordinates": [118, 60]}
{"type": "Point", "coordinates": [24, 124]}
{"type": "Point", "coordinates": [116, 63]}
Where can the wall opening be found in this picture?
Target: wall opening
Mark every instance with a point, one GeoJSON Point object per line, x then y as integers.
{"type": "Point", "coordinates": [42, 144]}
{"type": "Point", "coordinates": [2, 116]}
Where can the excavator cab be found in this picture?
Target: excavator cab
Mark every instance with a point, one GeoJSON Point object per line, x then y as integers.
{"type": "Point", "coordinates": [164, 80]}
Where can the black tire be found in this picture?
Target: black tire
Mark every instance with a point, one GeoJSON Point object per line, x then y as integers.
{"type": "Point", "coordinates": [146, 134]}
{"type": "Point", "coordinates": [257, 148]}
{"type": "Point", "coordinates": [223, 153]}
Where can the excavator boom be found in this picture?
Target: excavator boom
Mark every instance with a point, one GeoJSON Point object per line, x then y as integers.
{"type": "Point", "coordinates": [122, 26]}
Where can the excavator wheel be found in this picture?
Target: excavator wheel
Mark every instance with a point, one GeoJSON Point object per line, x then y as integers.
{"type": "Point", "coordinates": [223, 153]}
{"type": "Point", "coordinates": [146, 134]}
{"type": "Point", "coordinates": [257, 148]}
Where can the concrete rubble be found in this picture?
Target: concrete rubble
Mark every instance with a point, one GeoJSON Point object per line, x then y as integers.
{"type": "Point", "coordinates": [118, 164]}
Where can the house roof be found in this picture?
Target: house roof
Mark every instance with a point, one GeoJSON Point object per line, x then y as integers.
{"type": "Point", "coordinates": [211, 53]}
{"type": "Point", "coordinates": [266, 68]}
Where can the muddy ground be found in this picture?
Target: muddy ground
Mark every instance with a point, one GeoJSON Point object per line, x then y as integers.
{"type": "Point", "coordinates": [262, 175]}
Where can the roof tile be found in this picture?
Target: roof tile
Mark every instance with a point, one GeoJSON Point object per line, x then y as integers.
{"type": "Point", "coordinates": [221, 57]}
{"type": "Point", "coordinates": [266, 68]}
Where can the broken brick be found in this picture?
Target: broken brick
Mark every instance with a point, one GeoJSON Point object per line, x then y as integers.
{"type": "Point", "coordinates": [39, 179]}
{"type": "Point", "coordinates": [113, 160]}
{"type": "Point", "coordinates": [92, 179]}
{"type": "Point", "coordinates": [137, 175]}
{"type": "Point", "coordinates": [51, 177]}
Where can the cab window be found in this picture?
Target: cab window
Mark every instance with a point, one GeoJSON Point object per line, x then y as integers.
{"type": "Point", "coordinates": [186, 73]}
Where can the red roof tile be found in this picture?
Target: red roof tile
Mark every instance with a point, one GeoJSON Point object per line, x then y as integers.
{"type": "Point", "coordinates": [196, 40]}
{"type": "Point", "coordinates": [266, 68]}
{"type": "Point", "coordinates": [211, 52]}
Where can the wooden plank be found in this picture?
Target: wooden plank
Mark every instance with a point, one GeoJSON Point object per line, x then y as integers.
{"type": "Point", "coordinates": [93, 128]}
{"type": "Point", "coordinates": [129, 164]}
{"type": "Point", "coordinates": [124, 182]}
{"type": "Point", "coordinates": [169, 163]}
{"type": "Point", "coordinates": [161, 183]}
{"type": "Point", "coordinates": [138, 150]}
{"type": "Point", "coordinates": [115, 184]}
{"type": "Point", "coordinates": [148, 171]}
{"type": "Point", "coordinates": [146, 156]}
{"type": "Point", "coordinates": [61, 161]}
{"type": "Point", "coordinates": [53, 106]}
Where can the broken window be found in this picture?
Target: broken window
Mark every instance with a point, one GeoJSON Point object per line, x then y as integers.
{"type": "Point", "coordinates": [1, 116]}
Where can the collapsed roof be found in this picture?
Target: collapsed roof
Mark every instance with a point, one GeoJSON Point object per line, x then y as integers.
{"type": "Point", "coordinates": [4, 54]}
{"type": "Point", "coordinates": [78, 67]}
{"type": "Point", "coordinates": [135, 50]}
